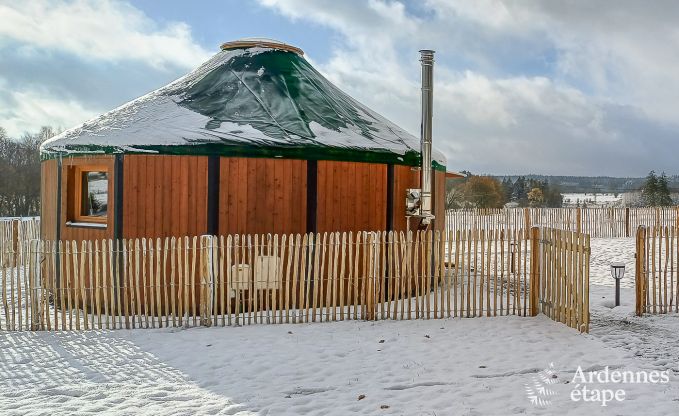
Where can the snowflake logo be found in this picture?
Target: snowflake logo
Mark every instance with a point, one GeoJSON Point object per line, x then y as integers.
{"type": "Point", "coordinates": [538, 390]}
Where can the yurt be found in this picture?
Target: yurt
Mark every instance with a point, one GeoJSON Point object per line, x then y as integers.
{"type": "Point", "coordinates": [255, 140]}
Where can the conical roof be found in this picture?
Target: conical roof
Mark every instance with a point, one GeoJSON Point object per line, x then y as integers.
{"type": "Point", "coordinates": [255, 98]}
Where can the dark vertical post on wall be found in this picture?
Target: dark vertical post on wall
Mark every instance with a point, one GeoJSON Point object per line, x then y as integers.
{"type": "Point", "coordinates": [118, 196]}
{"type": "Point", "coordinates": [213, 179]}
{"type": "Point", "coordinates": [390, 218]}
{"type": "Point", "coordinates": [311, 211]}
{"type": "Point", "coordinates": [311, 195]}
{"type": "Point", "coordinates": [213, 173]}
{"type": "Point", "coordinates": [390, 197]}
{"type": "Point", "coordinates": [57, 232]}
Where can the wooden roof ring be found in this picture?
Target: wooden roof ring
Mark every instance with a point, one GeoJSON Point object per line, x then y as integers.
{"type": "Point", "coordinates": [263, 43]}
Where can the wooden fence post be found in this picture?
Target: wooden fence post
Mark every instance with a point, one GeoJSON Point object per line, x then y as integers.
{"type": "Point", "coordinates": [526, 218]}
{"type": "Point", "coordinates": [640, 272]}
{"type": "Point", "coordinates": [33, 282]}
{"type": "Point", "coordinates": [15, 236]}
{"type": "Point", "coordinates": [535, 256]}
{"type": "Point", "coordinates": [206, 280]}
{"type": "Point", "coordinates": [626, 221]}
{"type": "Point", "coordinates": [578, 220]}
{"type": "Point", "coordinates": [369, 285]}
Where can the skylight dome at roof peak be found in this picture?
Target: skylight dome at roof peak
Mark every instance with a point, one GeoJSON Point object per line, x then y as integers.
{"type": "Point", "coordinates": [245, 43]}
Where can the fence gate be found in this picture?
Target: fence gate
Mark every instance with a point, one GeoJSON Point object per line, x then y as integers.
{"type": "Point", "coordinates": [563, 271]}
{"type": "Point", "coordinates": [657, 269]}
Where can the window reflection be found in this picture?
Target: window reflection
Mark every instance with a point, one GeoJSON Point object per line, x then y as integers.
{"type": "Point", "coordinates": [94, 194]}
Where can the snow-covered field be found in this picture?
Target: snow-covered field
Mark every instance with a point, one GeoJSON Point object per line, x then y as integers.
{"type": "Point", "coordinates": [592, 199]}
{"type": "Point", "coordinates": [480, 366]}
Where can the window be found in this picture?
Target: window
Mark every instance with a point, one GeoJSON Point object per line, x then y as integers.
{"type": "Point", "coordinates": [91, 196]}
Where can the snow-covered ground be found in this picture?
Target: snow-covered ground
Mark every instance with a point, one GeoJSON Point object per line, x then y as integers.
{"type": "Point", "coordinates": [605, 251]}
{"type": "Point", "coordinates": [482, 366]}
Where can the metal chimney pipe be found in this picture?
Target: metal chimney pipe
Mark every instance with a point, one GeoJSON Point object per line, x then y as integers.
{"type": "Point", "coordinates": [427, 60]}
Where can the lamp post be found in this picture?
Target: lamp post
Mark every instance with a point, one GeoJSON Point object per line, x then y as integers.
{"type": "Point", "coordinates": [618, 272]}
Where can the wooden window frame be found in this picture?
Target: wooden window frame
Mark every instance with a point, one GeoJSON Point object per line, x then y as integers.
{"type": "Point", "coordinates": [79, 170]}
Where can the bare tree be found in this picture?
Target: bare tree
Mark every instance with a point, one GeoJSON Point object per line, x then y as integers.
{"type": "Point", "coordinates": [20, 173]}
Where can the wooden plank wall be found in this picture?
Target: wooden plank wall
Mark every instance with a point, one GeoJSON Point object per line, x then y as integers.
{"type": "Point", "coordinates": [262, 196]}
{"type": "Point", "coordinates": [164, 196]}
{"type": "Point", "coordinates": [69, 232]}
{"type": "Point", "coordinates": [351, 196]}
{"type": "Point", "coordinates": [48, 199]}
{"type": "Point", "coordinates": [167, 196]}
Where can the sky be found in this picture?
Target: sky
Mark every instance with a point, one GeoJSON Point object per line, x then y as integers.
{"type": "Point", "coordinates": [523, 86]}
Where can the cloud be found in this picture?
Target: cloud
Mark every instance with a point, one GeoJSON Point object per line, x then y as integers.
{"type": "Point", "coordinates": [97, 30]}
{"type": "Point", "coordinates": [521, 86]}
{"type": "Point", "coordinates": [65, 61]}
{"type": "Point", "coordinates": [22, 111]}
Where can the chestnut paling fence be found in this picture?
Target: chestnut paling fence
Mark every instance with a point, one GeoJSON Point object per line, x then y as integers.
{"type": "Point", "coordinates": [657, 270]}
{"type": "Point", "coordinates": [597, 222]}
{"type": "Point", "coordinates": [255, 279]}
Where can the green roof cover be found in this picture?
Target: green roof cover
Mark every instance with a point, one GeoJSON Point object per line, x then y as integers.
{"type": "Point", "coordinates": [251, 102]}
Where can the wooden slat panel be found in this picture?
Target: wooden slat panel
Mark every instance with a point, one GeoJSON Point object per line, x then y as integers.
{"type": "Point", "coordinates": [165, 190]}
{"type": "Point", "coordinates": [130, 192]}
{"type": "Point", "coordinates": [183, 200]}
{"type": "Point", "coordinates": [224, 187]}
{"type": "Point", "coordinates": [242, 194]}
{"type": "Point", "coordinates": [175, 189]}
{"type": "Point", "coordinates": [192, 195]}
{"type": "Point", "coordinates": [262, 196]}
{"type": "Point", "coordinates": [148, 209]}
{"type": "Point", "coordinates": [352, 196]}
{"type": "Point", "coordinates": [164, 196]}
{"type": "Point", "coordinates": [269, 204]}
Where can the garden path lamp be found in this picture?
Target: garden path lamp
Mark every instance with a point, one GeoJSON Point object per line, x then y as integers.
{"type": "Point", "coordinates": [618, 272]}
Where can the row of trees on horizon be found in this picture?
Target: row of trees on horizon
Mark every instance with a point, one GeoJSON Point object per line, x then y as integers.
{"type": "Point", "coordinates": [475, 191]}
{"type": "Point", "coordinates": [481, 191]}
{"type": "Point", "coordinates": [656, 191]}
{"type": "Point", "coordinates": [20, 173]}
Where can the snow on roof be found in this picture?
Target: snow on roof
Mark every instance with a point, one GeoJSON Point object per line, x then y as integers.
{"type": "Point", "coordinates": [261, 42]}
{"type": "Point", "coordinates": [253, 101]}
